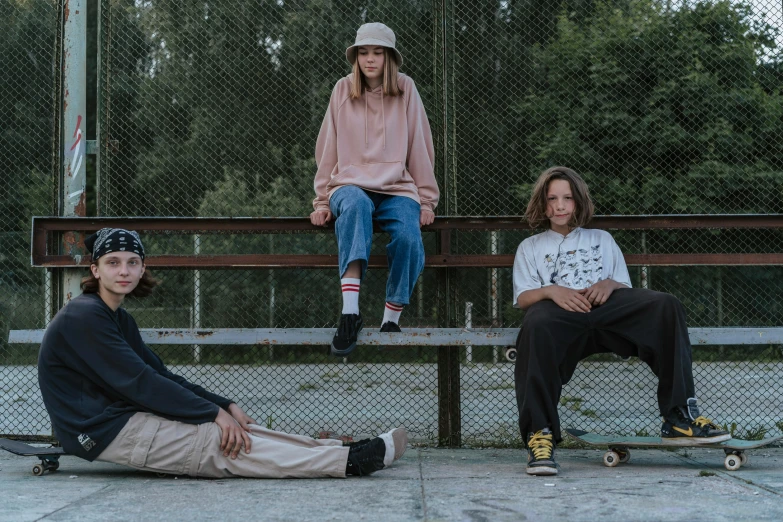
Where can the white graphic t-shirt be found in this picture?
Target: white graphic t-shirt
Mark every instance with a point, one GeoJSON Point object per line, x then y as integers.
{"type": "Point", "coordinates": [577, 261]}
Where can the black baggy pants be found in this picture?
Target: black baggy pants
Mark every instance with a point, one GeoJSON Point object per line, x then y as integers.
{"type": "Point", "coordinates": [632, 322]}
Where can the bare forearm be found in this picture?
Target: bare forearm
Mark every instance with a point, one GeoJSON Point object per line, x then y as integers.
{"type": "Point", "coordinates": [530, 297]}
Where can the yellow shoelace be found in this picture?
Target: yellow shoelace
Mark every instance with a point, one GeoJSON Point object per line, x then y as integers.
{"type": "Point", "coordinates": [703, 421]}
{"type": "Point", "coordinates": [541, 445]}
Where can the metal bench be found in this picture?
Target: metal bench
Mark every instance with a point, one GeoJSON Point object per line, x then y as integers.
{"type": "Point", "coordinates": [58, 243]}
{"type": "Point", "coordinates": [49, 232]}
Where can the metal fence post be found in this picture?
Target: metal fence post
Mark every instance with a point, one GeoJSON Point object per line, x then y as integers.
{"type": "Point", "coordinates": [449, 414]}
{"type": "Point", "coordinates": [73, 181]}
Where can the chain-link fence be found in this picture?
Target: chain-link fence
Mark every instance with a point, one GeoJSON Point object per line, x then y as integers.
{"type": "Point", "coordinates": [29, 52]}
{"type": "Point", "coordinates": [212, 109]}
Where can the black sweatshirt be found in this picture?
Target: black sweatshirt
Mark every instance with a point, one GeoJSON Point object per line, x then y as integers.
{"type": "Point", "coordinates": [95, 372]}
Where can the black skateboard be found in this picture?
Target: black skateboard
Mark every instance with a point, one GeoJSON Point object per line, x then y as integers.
{"type": "Point", "coordinates": [50, 457]}
{"type": "Point", "coordinates": [619, 452]}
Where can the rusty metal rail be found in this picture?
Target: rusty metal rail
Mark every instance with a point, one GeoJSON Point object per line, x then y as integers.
{"type": "Point", "coordinates": [58, 242]}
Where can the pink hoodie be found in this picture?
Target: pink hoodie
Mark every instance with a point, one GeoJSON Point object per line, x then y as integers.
{"type": "Point", "coordinates": [378, 143]}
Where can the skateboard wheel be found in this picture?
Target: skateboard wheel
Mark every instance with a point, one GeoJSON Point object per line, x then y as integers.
{"type": "Point", "coordinates": [511, 354]}
{"type": "Point", "coordinates": [611, 459]}
{"type": "Point", "coordinates": [732, 462]}
{"type": "Point", "coordinates": [625, 456]}
{"type": "Point", "coordinates": [38, 470]}
{"type": "Point", "coordinates": [743, 459]}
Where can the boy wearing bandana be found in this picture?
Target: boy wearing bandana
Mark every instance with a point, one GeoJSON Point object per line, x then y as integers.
{"type": "Point", "coordinates": [110, 398]}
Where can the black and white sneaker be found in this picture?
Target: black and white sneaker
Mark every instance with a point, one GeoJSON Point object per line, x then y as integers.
{"type": "Point", "coordinates": [396, 442]}
{"type": "Point", "coordinates": [541, 453]}
{"type": "Point", "coordinates": [344, 341]}
{"type": "Point", "coordinates": [363, 455]}
{"type": "Point", "coordinates": [365, 459]}
{"type": "Point", "coordinates": [685, 426]}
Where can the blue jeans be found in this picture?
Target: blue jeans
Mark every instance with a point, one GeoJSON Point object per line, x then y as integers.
{"type": "Point", "coordinates": [354, 210]}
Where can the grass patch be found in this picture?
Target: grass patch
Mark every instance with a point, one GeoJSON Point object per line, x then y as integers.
{"type": "Point", "coordinates": [569, 443]}
{"type": "Point", "coordinates": [504, 437]}
{"type": "Point", "coordinates": [756, 433]}
{"type": "Point", "coordinates": [498, 387]}
{"type": "Point", "coordinates": [706, 473]}
{"type": "Point", "coordinates": [308, 386]}
{"type": "Point", "coordinates": [574, 403]}
{"type": "Point", "coordinates": [589, 413]}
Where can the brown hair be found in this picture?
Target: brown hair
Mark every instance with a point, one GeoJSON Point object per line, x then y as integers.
{"type": "Point", "coordinates": [90, 285]}
{"type": "Point", "coordinates": [390, 73]}
{"type": "Point", "coordinates": [583, 205]}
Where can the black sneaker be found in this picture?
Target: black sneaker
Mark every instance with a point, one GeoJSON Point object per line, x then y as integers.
{"type": "Point", "coordinates": [541, 453]}
{"type": "Point", "coordinates": [365, 459]}
{"type": "Point", "coordinates": [685, 426]}
{"type": "Point", "coordinates": [344, 341]}
{"type": "Point", "coordinates": [396, 442]}
{"type": "Point", "coordinates": [390, 326]}
{"type": "Point", "coordinates": [359, 443]}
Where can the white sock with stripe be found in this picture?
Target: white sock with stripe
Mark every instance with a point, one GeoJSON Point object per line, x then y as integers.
{"type": "Point", "coordinates": [392, 313]}
{"type": "Point", "coordinates": [350, 295]}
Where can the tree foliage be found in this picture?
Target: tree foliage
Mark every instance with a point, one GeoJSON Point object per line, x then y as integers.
{"type": "Point", "coordinates": [663, 111]}
{"type": "Point", "coordinates": [215, 106]}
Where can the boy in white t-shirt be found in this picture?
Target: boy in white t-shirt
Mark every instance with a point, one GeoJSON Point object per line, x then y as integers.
{"type": "Point", "coordinates": [575, 288]}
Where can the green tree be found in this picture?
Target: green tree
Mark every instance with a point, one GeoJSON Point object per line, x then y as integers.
{"type": "Point", "coordinates": [663, 111]}
{"type": "Point", "coordinates": [27, 45]}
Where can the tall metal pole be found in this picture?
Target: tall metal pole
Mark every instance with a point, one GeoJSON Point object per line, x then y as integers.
{"type": "Point", "coordinates": [272, 303]}
{"type": "Point", "coordinates": [196, 317]}
{"type": "Point", "coordinates": [468, 326]}
{"type": "Point", "coordinates": [73, 182]}
{"type": "Point", "coordinates": [494, 289]}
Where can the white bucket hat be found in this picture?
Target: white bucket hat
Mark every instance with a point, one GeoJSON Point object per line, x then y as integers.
{"type": "Point", "coordinates": [373, 34]}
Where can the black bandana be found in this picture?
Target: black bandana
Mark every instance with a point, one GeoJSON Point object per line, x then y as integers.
{"type": "Point", "coordinates": [108, 240]}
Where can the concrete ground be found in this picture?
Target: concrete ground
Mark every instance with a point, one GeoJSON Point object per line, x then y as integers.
{"type": "Point", "coordinates": [426, 484]}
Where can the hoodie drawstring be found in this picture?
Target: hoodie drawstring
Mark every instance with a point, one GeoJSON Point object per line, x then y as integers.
{"type": "Point", "coordinates": [365, 118]}
{"type": "Point", "coordinates": [383, 112]}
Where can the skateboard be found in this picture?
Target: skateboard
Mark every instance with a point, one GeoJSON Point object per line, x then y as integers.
{"type": "Point", "coordinates": [619, 447]}
{"type": "Point", "coordinates": [50, 457]}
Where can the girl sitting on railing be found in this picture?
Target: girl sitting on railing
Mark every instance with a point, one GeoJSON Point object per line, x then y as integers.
{"type": "Point", "coordinates": [375, 164]}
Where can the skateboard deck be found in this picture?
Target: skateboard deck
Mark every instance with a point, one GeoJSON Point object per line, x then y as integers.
{"type": "Point", "coordinates": [50, 457]}
{"type": "Point", "coordinates": [619, 446]}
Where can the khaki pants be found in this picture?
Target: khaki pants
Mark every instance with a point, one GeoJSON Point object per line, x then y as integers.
{"type": "Point", "coordinates": [152, 443]}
